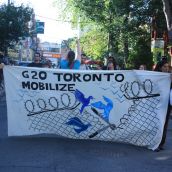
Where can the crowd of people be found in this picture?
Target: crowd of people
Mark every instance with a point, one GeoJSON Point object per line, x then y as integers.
{"type": "Point", "coordinates": [79, 62]}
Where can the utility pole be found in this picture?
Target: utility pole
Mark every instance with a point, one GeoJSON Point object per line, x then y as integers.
{"type": "Point", "coordinates": [9, 2]}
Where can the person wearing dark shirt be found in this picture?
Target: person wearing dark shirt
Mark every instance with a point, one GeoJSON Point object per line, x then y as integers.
{"type": "Point", "coordinates": [36, 62]}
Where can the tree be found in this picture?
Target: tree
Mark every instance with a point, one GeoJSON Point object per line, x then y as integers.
{"type": "Point", "coordinates": [126, 22]}
{"type": "Point", "coordinates": [13, 24]}
{"type": "Point", "coordinates": [167, 7]}
{"type": "Point", "coordinates": [123, 20]}
{"type": "Point", "coordinates": [94, 42]}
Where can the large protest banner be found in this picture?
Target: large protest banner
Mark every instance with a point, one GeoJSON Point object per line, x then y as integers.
{"type": "Point", "coordinates": [122, 106]}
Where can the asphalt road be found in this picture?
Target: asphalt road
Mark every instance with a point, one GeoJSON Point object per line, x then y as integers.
{"type": "Point", "coordinates": [53, 154]}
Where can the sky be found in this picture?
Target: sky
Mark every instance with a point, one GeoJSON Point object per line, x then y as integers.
{"type": "Point", "coordinates": [54, 31]}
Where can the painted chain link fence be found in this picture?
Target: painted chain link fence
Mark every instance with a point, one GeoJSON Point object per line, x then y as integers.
{"type": "Point", "coordinates": [139, 126]}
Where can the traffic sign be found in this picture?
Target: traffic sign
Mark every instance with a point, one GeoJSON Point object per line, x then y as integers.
{"type": "Point", "coordinates": [40, 27]}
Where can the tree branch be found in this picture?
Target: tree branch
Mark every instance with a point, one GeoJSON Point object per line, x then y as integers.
{"type": "Point", "coordinates": [167, 6]}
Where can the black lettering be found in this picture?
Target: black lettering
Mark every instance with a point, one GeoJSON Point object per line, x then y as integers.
{"type": "Point", "coordinates": [34, 85]}
{"type": "Point", "coordinates": [57, 86]}
{"type": "Point", "coordinates": [76, 77]}
{"type": "Point", "coordinates": [68, 77]}
{"type": "Point", "coordinates": [87, 77]}
{"type": "Point", "coordinates": [119, 77]}
{"type": "Point", "coordinates": [26, 85]}
{"type": "Point", "coordinates": [97, 77]}
{"type": "Point", "coordinates": [25, 74]}
{"type": "Point", "coordinates": [50, 87]}
{"type": "Point", "coordinates": [58, 76]}
{"type": "Point", "coordinates": [108, 75]}
{"type": "Point", "coordinates": [41, 86]}
{"type": "Point", "coordinates": [42, 75]}
{"type": "Point", "coordinates": [46, 85]}
{"type": "Point", "coordinates": [34, 75]}
{"type": "Point", "coordinates": [70, 87]}
{"type": "Point", "coordinates": [62, 88]}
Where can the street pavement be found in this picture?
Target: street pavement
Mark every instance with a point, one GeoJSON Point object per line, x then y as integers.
{"type": "Point", "coordinates": [53, 154]}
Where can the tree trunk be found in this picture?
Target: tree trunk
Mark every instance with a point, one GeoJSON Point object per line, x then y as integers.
{"type": "Point", "coordinates": [167, 7]}
{"type": "Point", "coordinates": [126, 51]}
{"type": "Point", "coordinates": [112, 43]}
{"type": "Point", "coordinates": [126, 46]}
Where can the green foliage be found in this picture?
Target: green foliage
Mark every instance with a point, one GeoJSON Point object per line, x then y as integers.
{"type": "Point", "coordinates": [13, 24]}
{"type": "Point", "coordinates": [68, 43]}
{"type": "Point", "coordinates": [94, 42]}
{"type": "Point", "coordinates": [124, 27]}
{"type": "Point", "coordinates": [141, 54]}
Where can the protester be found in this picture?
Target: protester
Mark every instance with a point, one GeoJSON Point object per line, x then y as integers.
{"type": "Point", "coordinates": [142, 67]}
{"type": "Point", "coordinates": [110, 66]}
{"type": "Point", "coordinates": [37, 61]}
{"type": "Point", "coordinates": [112, 60]}
{"type": "Point", "coordinates": [70, 62]}
{"type": "Point", "coordinates": [83, 65]}
{"type": "Point", "coordinates": [163, 66]}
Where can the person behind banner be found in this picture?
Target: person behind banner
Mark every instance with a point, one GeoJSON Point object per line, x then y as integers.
{"type": "Point", "coordinates": [83, 65]}
{"type": "Point", "coordinates": [110, 66]}
{"type": "Point", "coordinates": [70, 62]}
{"type": "Point", "coordinates": [163, 66]}
{"type": "Point", "coordinates": [37, 61]}
{"type": "Point", "coordinates": [110, 60]}
{"type": "Point", "coordinates": [142, 67]}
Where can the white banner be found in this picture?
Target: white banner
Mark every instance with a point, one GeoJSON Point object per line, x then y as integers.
{"type": "Point", "coordinates": [121, 106]}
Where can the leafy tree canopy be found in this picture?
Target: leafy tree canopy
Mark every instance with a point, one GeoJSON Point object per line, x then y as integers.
{"type": "Point", "coordinates": [125, 26]}
{"type": "Point", "coordinates": [13, 24]}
